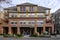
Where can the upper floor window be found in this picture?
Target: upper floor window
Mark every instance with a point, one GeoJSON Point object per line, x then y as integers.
{"type": "Point", "coordinates": [22, 22]}
{"type": "Point", "coordinates": [22, 8]}
{"type": "Point", "coordinates": [14, 15]}
{"type": "Point", "coordinates": [47, 17]}
{"type": "Point", "coordinates": [31, 8]}
{"type": "Point", "coordinates": [40, 15]}
{"type": "Point", "coordinates": [22, 15]}
{"type": "Point", "coordinates": [46, 11]}
{"type": "Point", "coordinates": [31, 21]}
{"type": "Point", "coordinates": [13, 22]}
{"type": "Point", "coordinates": [40, 22]}
{"type": "Point", "coordinates": [31, 15]}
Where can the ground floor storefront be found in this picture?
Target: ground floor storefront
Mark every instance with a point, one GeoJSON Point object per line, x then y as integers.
{"type": "Point", "coordinates": [27, 30]}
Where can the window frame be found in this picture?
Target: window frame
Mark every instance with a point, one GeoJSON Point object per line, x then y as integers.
{"type": "Point", "coordinates": [22, 8]}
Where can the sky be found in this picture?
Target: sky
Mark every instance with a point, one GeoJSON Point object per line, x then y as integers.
{"type": "Point", "coordinates": [53, 4]}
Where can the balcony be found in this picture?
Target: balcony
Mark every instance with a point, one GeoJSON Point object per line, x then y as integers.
{"type": "Point", "coordinates": [22, 15]}
{"type": "Point", "coordinates": [26, 25]}
{"type": "Point", "coordinates": [49, 24]}
{"type": "Point", "coordinates": [40, 25]}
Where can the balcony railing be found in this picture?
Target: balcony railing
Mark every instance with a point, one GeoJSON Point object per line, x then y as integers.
{"type": "Point", "coordinates": [28, 16]}
{"type": "Point", "coordinates": [49, 24]}
{"type": "Point", "coordinates": [22, 15]}
{"type": "Point", "coordinates": [26, 25]}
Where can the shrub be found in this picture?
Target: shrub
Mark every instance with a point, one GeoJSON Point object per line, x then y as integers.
{"type": "Point", "coordinates": [18, 35]}
{"type": "Point", "coordinates": [44, 33]}
{"type": "Point", "coordinates": [5, 35]}
{"type": "Point", "coordinates": [1, 34]}
{"type": "Point", "coordinates": [34, 35]}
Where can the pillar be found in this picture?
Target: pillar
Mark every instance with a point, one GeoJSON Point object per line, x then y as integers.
{"type": "Point", "coordinates": [18, 30]}
{"type": "Point", "coordinates": [35, 28]}
{"type": "Point", "coordinates": [52, 28]}
{"type": "Point", "coordinates": [44, 29]}
{"type": "Point", "coordinates": [18, 27]}
{"type": "Point", "coordinates": [1, 30]}
{"type": "Point", "coordinates": [9, 30]}
{"type": "Point", "coordinates": [44, 26]}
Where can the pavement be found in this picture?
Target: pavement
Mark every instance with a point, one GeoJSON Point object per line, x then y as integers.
{"type": "Point", "coordinates": [32, 38]}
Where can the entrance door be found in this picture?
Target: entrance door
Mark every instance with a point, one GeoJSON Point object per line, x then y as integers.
{"type": "Point", "coordinates": [40, 30]}
{"type": "Point", "coordinates": [14, 30]}
{"type": "Point", "coordinates": [5, 31]}
{"type": "Point", "coordinates": [26, 32]}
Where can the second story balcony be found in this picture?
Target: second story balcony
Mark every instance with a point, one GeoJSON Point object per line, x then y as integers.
{"type": "Point", "coordinates": [30, 23]}
{"type": "Point", "coordinates": [28, 15]}
{"type": "Point", "coordinates": [49, 25]}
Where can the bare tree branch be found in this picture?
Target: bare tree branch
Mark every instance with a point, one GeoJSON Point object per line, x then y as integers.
{"type": "Point", "coordinates": [3, 2]}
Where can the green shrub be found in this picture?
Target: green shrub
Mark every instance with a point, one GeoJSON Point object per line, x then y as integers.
{"type": "Point", "coordinates": [1, 34]}
{"type": "Point", "coordinates": [5, 35]}
{"type": "Point", "coordinates": [34, 35]}
{"type": "Point", "coordinates": [44, 33]}
{"type": "Point", "coordinates": [18, 35]}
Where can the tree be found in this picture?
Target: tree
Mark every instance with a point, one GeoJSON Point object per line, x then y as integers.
{"type": "Point", "coordinates": [7, 1]}
{"type": "Point", "coordinates": [2, 2]}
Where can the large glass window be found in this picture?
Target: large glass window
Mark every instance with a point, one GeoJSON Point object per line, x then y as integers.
{"type": "Point", "coordinates": [46, 11]}
{"type": "Point", "coordinates": [31, 15]}
{"type": "Point", "coordinates": [31, 22]}
{"type": "Point", "coordinates": [22, 15]}
{"type": "Point", "coordinates": [39, 22]}
{"type": "Point", "coordinates": [40, 15]}
{"type": "Point", "coordinates": [31, 8]}
{"type": "Point", "coordinates": [22, 22]}
{"type": "Point", "coordinates": [13, 22]}
{"type": "Point", "coordinates": [22, 8]}
{"type": "Point", "coordinates": [14, 15]}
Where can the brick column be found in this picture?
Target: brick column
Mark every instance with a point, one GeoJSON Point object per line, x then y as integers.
{"type": "Point", "coordinates": [9, 30]}
{"type": "Point", "coordinates": [18, 30]}
{"type": "Point", "coordinates": [44, 29]}
{"type": "Point", "coordinates": [44, 26]}
{"type": "Point", "coordinates": [2, 30]}
{"type": "Point", "coordinates": [18, 27]}
{"type": "Point", "coordinates": [35, 28]}
{"type": "Point", "coordinates": [52, 28]}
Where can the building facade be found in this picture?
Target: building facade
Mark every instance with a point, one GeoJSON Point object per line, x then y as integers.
{"type": "Point", "coordinates": [27, 19]}
{"type": "Point", "coordinates": [56, 20]}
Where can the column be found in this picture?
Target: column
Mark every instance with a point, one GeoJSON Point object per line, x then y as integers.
{"type": "Point", "coordinates": [9, 30]}
{"type": "Point", "coordinates": [35, 28]}
{"type": "Point", "coordinates": [44, 26]}
{"type": "Point", "coordinates": [2, 30]}
{"type": "Point", "coordinates": [18, 30]}
{"type": "Point", "coordinates": [52, 28]}
{"type": "Point", "coordinates": [44, 29]}
{"type": "Point", "coordinates": [18, 27]}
